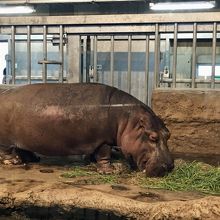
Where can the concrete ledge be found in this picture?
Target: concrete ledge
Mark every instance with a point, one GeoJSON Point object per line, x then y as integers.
{"type": "Point", "coordinates": [70, 199]}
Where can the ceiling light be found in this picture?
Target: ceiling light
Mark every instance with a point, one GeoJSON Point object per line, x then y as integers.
{"type": "Point", "coordinates": [172, 6]}
{"type": "Point", "coordinates": [16, 10]}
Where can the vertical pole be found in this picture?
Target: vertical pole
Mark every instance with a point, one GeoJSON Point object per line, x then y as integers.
{"type": "Point", "coordinates": [44, 66]}
{"type": "Point", "coordinates": [74, 59]}
{"type": "Point", "coordinates": [61, 55]}
{"type": "Point", "coordinates": [84, 59]}
{"type": "Point", "coordinates": [147, 70]}
{"type": "Point", "coordinates": [96, 79]}
{"type": "Point", "coordinates": [213, 55]}
{"type": "Point", "coordinates": [88, 57]}
{"type": "Point", "coordinates": [112, 60]}
{"type": "Point", "coordinates": [29, 54]}
{"type": "Point", "coordinates": [174, 55]}
{"type": "Point", "coordinates": [194, 55]}
{"type": "Point", "coordinates": [129, 63]}
{"type": "Point", "coordinates": [156, 56]}
{"type": "Point", "coordinates": [13, 53]}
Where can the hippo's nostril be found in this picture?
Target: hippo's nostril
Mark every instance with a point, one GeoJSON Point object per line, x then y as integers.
{"type": "Point", "coordinates": [164, 166]}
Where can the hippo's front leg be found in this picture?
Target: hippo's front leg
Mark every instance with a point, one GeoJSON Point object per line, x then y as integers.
{"type": "Point", "coordinates": [103, 157]}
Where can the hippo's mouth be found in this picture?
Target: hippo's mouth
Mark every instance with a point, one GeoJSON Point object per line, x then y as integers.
{"type": "Point", "coordinates": [156, 172]}
{"type": "Point", "coordinates": [154, 169]}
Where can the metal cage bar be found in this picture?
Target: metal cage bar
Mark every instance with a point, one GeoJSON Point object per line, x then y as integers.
{"type": "Point", "coordinates": [95, 40]}
{"type": "Point", "coordinates": [44, 65]}
{"type": "Point", "coordinates": [193, 85]}
{"type": "Point", "coordinates": [129, 63]}
{"type": "Point", "coordinates": [13, 53]}
{"type": "Point", "coordinates": [174, 55]}
{"type": "Point", "coordinates": [156, 56]}
{"type": "Point", "coordinates": [112, 60]}
{"type": "Point", "coordinates": [84, 54]}
{"type": "Point", "coordinates": [29, 54]}
{"type": "Point", "coordinates": [214, 42]}
{"type": "Point", "coordinates": [61, 54]}
{"type": "Point", "coordinates": [147, 52]}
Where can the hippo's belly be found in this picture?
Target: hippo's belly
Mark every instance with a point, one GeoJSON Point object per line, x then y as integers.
{"type": "Point", "coordinates": [59, 131]}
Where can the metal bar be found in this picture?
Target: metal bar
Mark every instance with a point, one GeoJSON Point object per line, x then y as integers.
{"type": "Point", "coordinates": [29, 54]}
{"type": "Point", "coordinates": [174, 55]}
{"type": "Point", "coordinates": [90, 49]}
{"type": "Point", "coordinates": [213, 55]}
{"type": "Point", "coordinates": [112, 60]}
{"type": "Point", "coordinates": [53, 78]}
{"type": "Point", "coordinates": [13, 54]}
{"type": "Point", "coordinates": [189, 81]}
{"type": "Point", "coordinates": [129, 63]}
{"type": "Point", "coordinates": [44, 66]}
{"type": "Point", "coordinates": [60, 1]}
{"type": "Point", "coordinates": [194, 55]}
{"type": "Point", "coordinates": [88, 57]}
{"type": "Point", "coordinates": [118, 19]}
{"type": "Point", "coordinates": [183, 28]}
{"type": "Point", "coordinates": [156, 56]}
{"type": "Point", "coordinates": [49, 62]}
{"type": "Point", "coordinates": [84, 49]}
{"type": "Point", "coordinates": [147, 71]}
{"type": "Point", "coordinates": [61, 55]}
{"type": "Point", "coordinates": [96, 79]}
{"type": "Point", "coordinates": [77, 54]}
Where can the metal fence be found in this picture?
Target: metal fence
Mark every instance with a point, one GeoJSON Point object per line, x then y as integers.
{"type": "Point", "coordinates": [135, 54]}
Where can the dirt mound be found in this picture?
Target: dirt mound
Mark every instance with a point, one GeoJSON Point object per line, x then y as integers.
{"type": "Point", "coordinates": [41, 188]}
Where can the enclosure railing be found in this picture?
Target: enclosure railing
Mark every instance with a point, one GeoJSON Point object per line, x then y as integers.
{"type": "Point", "coordinates": [162, 34]}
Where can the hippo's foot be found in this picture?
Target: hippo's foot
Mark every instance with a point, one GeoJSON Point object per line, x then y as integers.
{"type": "Point", "coordinates": [27, 156]}
{"type": "Point", "coordinates": [103, 156]}
{"type": "Point", "coordinates": [106, 168]}
{"type": "Point", "coordinates": [11, 160]}
{"type": "Point", "coordinates": [16, 156]}
{"type": "Point", "coordinates": [9, 157]}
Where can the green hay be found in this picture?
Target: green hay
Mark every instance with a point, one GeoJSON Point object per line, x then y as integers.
{"type": "Point", "coordinates": [194, 176]}
{"type": "Point", "coordinates": [92, 176]}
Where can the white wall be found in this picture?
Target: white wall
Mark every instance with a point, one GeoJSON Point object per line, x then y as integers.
{"type": "Point", "coordinates": [3, 52]}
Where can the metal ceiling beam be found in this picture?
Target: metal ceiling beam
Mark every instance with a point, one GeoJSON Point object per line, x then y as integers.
{"type": "Point", "coordinates": [63, 1]}
{"type": "Point", "coordinates": [113, 19]}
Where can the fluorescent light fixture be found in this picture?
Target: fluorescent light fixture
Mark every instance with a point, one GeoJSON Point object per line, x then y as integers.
{"type": "Point", "coordinates": [16, 9]}
{"type": "Point", "coordinates": [172, 6]}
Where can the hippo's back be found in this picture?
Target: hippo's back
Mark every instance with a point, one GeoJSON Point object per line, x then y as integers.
{"type": "Point", "coordinates": [62, 94]}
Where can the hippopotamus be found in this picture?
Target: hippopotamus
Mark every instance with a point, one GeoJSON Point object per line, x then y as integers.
{"type": "Point", "coordinates": [82, 119]}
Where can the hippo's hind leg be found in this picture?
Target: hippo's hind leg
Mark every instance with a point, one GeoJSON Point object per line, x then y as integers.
{"type": "Point", "coordinates": [103, 157]}
{"type": "Point", "coordinates": [8, 156]}
{"type": "Point", "coordinates": [15, 156]}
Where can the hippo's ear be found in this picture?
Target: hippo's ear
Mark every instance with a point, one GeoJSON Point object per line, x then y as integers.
{"type": "Point", "coordinates": [153, 136]}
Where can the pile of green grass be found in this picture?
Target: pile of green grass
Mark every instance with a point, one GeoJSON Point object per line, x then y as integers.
{"type": "Point", "coordinates": [194, 176]}
{"type": "Point", "coordinates": [92, 177]}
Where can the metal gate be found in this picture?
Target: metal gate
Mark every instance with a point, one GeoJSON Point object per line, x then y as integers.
{"type": "Point", "coordinates": [122, 61]}
{"type": "Point", "coordinates": [135, 54]}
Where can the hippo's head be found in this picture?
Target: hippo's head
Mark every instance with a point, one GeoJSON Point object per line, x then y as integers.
{"type": "Point", "coordinates": [145, 140]}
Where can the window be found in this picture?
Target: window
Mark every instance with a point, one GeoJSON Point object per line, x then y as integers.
{"type": "Point", "coordinates": [205, 71]}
